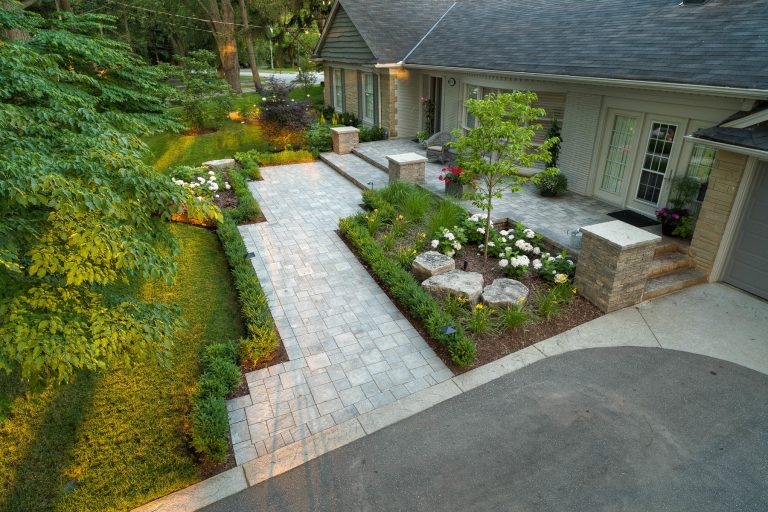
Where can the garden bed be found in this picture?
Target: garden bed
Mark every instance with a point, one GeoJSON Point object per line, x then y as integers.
{"type": "Point", "coordinates": [400, 230]}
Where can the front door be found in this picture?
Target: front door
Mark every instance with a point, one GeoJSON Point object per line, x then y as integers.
{"type": "Point", "coordinates": [655, 164]}
{"type": "Point", "coordinates": [436, 95]}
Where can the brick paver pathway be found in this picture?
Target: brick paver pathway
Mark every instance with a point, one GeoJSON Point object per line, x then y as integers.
{"type": "Point", "coordinates": [350, 349]}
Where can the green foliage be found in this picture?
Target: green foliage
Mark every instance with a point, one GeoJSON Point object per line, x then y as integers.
{"type": "Point", "coordinates": [444, 215]}
{"type": "Point", "coordinates": [249, 160]}
{"type": "Point", "coordinates": [319, 138]}
{"type": "Point", "coordinates": [248, 210]}
{"type": "Point", "coordinates": [416, 203]}
{"type": "Point", "coordinates": [210, 427]}
{"type": "Point", "coordinates": [204, 97]}
{"type": "Point", "coordinates": [554, 150]}
{"type": "Point", "coordinates": [262, 339]}
{"type": "Point", "coordinates": [408, 291]}
{"type": "Point", "coordinates": [314, 95]}
{"type": "Point", "coordinates": [79, 209]}
{"type": "Point", "coordinates": [557, 269]}
{"type": "Point", "coordinates": [683, 191]}
{"type": "Point", "coordinates": [514, 317]}
{"type": "Point", "coordinates": [684, 228]}
{"type": "Point", "coordinates": [286, 157]}
{"type": "Point", "coordinates": [478, 319]}
{"type": "Point", "coordinates": [501, 144]}
{"type": "Point", "coordinates": [550, 303]}
{"type": "Point", "coordinates": [372, 133]}
{"type": "Point", "coordinates": [551, 182]}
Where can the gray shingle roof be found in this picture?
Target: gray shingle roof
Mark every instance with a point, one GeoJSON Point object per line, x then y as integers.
{"type": "Point", "coordinates": [720, 43]}
{"type": "Point", "coordinates": [391, 28]}
{"type": "Point", "coordinates": [755, 138]}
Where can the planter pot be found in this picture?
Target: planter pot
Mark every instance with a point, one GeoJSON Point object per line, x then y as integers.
{"type": "Point", "coordinates": [668, 227]}
{"type": "Point", "coordinates": [454, 189]}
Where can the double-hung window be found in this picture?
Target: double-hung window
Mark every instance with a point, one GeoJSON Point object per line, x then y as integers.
{"type": "Point", "coordinates": [338, 89]}
{"type": "Point", "coordinates": [368, 92]}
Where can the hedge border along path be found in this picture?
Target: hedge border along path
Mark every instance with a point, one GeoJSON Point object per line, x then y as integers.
{"type": "Point", "coordinates": [409, 292]}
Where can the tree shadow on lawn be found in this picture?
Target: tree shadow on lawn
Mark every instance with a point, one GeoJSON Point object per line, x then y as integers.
{"type": "Point", "coordinates": [38, 473]}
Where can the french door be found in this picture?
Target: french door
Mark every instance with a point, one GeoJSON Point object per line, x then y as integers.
{"type": "Point", "coordinates": [640, 155]}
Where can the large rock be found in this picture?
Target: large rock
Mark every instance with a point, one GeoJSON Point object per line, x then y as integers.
{"type": "Point", "coordinates": [224, 163]}
{"type": "Point", "coordinates": [432, 263]}
{"type": "Point", "coordinates": [504, 293]}
{"type": "Point", "coordinates": [457, 283]}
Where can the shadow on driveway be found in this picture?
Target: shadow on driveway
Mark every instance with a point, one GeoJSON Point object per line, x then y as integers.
{"type": "Point", "coordinates": [614, 429]}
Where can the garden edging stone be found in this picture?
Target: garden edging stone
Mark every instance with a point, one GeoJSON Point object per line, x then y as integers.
{"type": "Point", "coordinates": [432, 263]}
{"type": "Point", "coordinates": [224, 163]}
{"type": "Point", "coordinates": [457, 282]}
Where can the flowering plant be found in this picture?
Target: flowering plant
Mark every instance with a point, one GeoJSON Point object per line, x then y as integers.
{"type": "Point", "coordinates": [455, 175]}
{"type": "Point", "coordinates": [672, 215]}
{"type": "Point", "coordinates": [204, 182]}
{"type": "Point", "coordinates": [474, 226]}
{"type": "Point", "coordinates": [514, 265]}
{"type": "Point", "coordinates": [558, 269]}
{"type": "Point", "coordinates": [449, 242]}
{"type": "Point", "coordinates": [428, 106]}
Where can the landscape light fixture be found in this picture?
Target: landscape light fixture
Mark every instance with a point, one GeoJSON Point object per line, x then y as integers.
{"type": "Point", "coordinates": [370, 184]}
{"type": "Point", "coordinates": [449, 330]}
{"type": "Point", "coordinates": [250, 255]}
{"type": "Point", "coordinates": [466, 265]}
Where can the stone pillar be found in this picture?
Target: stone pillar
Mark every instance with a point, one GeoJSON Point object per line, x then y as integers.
{"type": "Point", "coordinates": [344, 139]}
{"type": "Point", "coordinates": [407, 167]}
{"type": "Point", "coordinates": [613, 264]}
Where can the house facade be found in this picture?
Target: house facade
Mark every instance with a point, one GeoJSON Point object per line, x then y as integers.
{"type": "Point", "coordinates": [642, 91]}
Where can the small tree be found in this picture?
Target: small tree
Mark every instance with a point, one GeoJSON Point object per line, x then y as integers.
{"type": "Point", "coordinates": [501, 144]}
{"type": "Point", "coordinates": [203, 96]}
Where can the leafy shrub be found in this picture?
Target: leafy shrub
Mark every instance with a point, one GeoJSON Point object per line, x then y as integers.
{"type": "Point", "coordinates": [474, 227]}
{"type": "Point", "coordinates": [557, 269]}
{"type": "Point", "coordinates": [319, 138]}
{"type": "Point", "coordinates": [550, 303]}
{"type": "Point", "coordinates": [247, 209]}
{"type": "Point", "coordinates": [551, 182]}
{"type": "Point", "coordinates": [222, 350]}
{"type": "Point", "coordinates": [416, 203]}
{"type": "Point", "coordinates": [220, 378]}
{"type": "Point", "coordinates": [478, 319]}
{"type": "Point", "coordinates": [407, 290]}
{"type": "Point", "coordinates": [372, 133]}
{"type": "Point", "coordinates": [249, 161]}
{"type": "Point", "coordinates": [210, 427]}
{"type": "Point", "coordinates": [279, 112]}
{"type": "Point", "coordinates": [449, 241]}
{"type": "Point", "coordinates": [260, 344]}
{"type": "Point", "coordinates": [203, 96]}
{"type": "Point", "coordinates": [514, 316]}
{"type": "Point", "coordinates": [329, 115]}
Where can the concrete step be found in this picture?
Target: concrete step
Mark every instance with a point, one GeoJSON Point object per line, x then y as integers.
{"type": "Point", "coordinates": [666, 245]}
{"type": "Point", "coordinates": [669, 283]}
{"type": "Point", "coordinates": [356, 170]}
{"type": "Point", "coordinates": [668, 262]}
{"type": "Point", "coordinates": [382, 165]}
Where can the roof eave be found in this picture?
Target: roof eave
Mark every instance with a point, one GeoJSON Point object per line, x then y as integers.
{"type": "Point", "coordinates": [758, 153]}
{"type": "Point", "coordinates": [736, 92]}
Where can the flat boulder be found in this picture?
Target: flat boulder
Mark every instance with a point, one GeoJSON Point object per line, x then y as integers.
{"type": "Point", "coordinates": [224, 163]}
{"type": "Point", "coordinates": [504, 293]}
{"type": "Point", "coordinates": [457, 283]}
{"type": "Point", "coordinates": [432, 263]}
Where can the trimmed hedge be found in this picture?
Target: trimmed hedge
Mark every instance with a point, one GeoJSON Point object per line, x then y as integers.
{"type": "Point", "coordinates": [407, 290]}
{"type": "Point", "coordinates": [250, 163]}
{"type": "Point", "coordinates": [248, 209]}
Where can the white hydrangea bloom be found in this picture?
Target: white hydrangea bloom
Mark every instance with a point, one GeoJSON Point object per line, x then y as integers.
{"type": "Point", "coordinates": [435, 243]}
{"type": "Point", "coordinates": [457, 246]}
{"type": "Point", "coordinates": [491, 244]}
{"type": "Point", "coordinates": [503, 232]}
{"type": "Point", "coordinates": [537, 264]}
{"type": "Point", "coordinates": [536, 251]}
{"type": "Point", "coordinates": [211, 173]}
{"type": "Point", "coordinates": [570, 262]}
{"type": "Point", "coordinates": [503, 263]}
{"type": "Point", "coordinates": [529, 233]}
{"type": "Point", "coordinates": [226, 185]}
{"type": "Point", "coordinates": [449, 253]}
{"type": "Point", "coordinates": [480, 230]}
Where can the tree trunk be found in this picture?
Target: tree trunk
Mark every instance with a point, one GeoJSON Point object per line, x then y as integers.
{"type": "Point", "coordinates": [65, 6]}
{"type": "Point", "coordinates": [14, 34]}
{"type": "Point", "coordinates": [487, 234]}
{"type": "Point", "coordinates": [249, 45]}
{"type": "Point", "coordinates": [222, 21]}
{"type": "Point", "coordinates": [127, 30]}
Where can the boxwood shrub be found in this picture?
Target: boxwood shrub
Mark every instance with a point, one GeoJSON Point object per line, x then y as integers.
{"type": "Point", "coordinates": [404, 287]}
{"type": "Point", "coordinates": [248, 209]}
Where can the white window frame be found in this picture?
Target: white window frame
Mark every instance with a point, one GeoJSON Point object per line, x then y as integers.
{"type": "Point", "coordinates": [338, 89]}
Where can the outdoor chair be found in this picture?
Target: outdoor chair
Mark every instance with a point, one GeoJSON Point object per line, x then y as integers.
{"type": "Point", "coordinates": [437, 146]}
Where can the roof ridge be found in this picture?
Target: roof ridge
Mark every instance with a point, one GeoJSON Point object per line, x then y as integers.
{"type": "Point", "coordinates": [429, 31]}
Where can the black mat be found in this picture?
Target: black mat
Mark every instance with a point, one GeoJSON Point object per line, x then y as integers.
{"type": "Point", "coordinates": [633, 218]}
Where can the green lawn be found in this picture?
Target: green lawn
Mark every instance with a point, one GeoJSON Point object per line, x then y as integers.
{"type": "Point", "coordinates": [169, 149]}
{"type": "Point", "coordinates": [315, 95]}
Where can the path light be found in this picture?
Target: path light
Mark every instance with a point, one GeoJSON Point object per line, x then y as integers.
{"type": "Point", "coordinates": [466, 265]}
{"type": "Point", "coordinates": [370, 184]}
{"type": "Point", "coordinates": [250, 255]}
{"type": "Point", "coordinates": [449, 330]}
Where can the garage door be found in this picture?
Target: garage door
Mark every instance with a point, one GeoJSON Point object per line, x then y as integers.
{"type": "Point", "coordinates": [748, 264]}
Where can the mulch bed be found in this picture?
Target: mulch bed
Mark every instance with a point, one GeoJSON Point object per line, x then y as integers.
{"type": "Point", "coordinates": [226, 199]}
{"type": "Point", "coordinates": [493, 345]}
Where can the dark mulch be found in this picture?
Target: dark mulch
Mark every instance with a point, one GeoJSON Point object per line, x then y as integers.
{"type": "Point", "coordinates": [492, 345]}
{"type": "Point", "coordinates": [226, 199]}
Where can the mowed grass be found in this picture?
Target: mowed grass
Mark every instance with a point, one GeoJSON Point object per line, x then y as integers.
{"type": "Point", "coordinates": [170, 149]}
{"type": "Point", "coordinates": [115, 440]}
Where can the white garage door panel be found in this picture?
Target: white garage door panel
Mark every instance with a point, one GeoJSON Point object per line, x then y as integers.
{"type": "Point", "coordinates": [748, 264]}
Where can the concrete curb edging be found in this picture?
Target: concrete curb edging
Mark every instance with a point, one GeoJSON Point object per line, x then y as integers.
{"type": "Point", "coordinates": [628, 327]}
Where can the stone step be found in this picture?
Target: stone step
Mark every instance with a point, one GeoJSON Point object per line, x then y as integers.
{"type": "Point", "coordinates": [356, 170]}
{"type": "Point", "coordinates": [669, 283]}
{"type": "Point", "coordinates": [380, 164]}
{"type": "Point", "coordinates": [668, 262]}
{"type": "Point", "coordinates": [665, 246]}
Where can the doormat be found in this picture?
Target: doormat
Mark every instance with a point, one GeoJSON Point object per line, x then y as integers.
{"type": "Point", "coordinates": [633, 218]}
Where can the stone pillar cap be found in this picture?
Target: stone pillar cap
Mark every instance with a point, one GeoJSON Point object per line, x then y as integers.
{"type": "Point", "coordinates": [621, 234]}
{"type": "Point", "coordinates": [407, 158]}
{"type": "Point", "coordinates": [345, 129]}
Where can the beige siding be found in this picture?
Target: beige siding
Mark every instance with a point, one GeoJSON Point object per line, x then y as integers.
{"type": "Point", "coordinates": [578, 133]}
{"type": "Point", "coordinates": [350, 91]}
{"type": "Point", "coordinates": [724, 181]}
{"type": "Point", "coordinates": [388, 102]}
{"type": "Point", "coordinates": [407, 92]}
{"type": "Point", "coordinates": [343, 43]}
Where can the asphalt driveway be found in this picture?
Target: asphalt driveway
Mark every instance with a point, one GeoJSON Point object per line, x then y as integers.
{"type": "Point", "coordinates": [613, 429]}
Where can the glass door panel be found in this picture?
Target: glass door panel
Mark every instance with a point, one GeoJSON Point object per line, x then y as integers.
{"type": "Point", "coordinates": [619, 153]}
{"type": "Point", "coordinates": [655, 162]}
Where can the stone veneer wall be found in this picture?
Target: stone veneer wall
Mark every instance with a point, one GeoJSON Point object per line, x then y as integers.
{"type": "Point", "coordinates": [724, 181]}
{"type": "Point", "coordinates": [350, 91]}
{"type": "Point", "coordinates": [327, 89]}
{"type": "Point", "coordinates": [388, 101]}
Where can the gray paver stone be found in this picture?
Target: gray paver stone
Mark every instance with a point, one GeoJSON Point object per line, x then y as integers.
{"type": "Point", "coordinates": [432, 263]}
{"type": "Point", "coordinates": [457, 283]}
{"type": "Point", "coordinates": [505, 293]}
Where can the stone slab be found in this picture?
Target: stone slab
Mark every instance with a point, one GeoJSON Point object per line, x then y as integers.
{"type": "Point", "coordinates": [505, 293]}
{"type": "Point", "coordinates": [224, 163]}
{"type": "Point", "coordinates": [456, 282]}
{"type": "Point", "coordinates": [345, 129]}
{"type": "Point", "coordinates": [621, 234]}
{"type": "Point", "coordinates": [432, 263]}
{"type": "Point", "coordinates": [200, 494]}
{"type": "Point", "coordinates": [407, 158]}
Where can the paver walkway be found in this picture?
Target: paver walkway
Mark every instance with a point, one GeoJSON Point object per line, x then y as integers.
{"type": "Point", "coordinates": [350, 349]}
{"type": "Point", "coordinates": [557, 218]}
